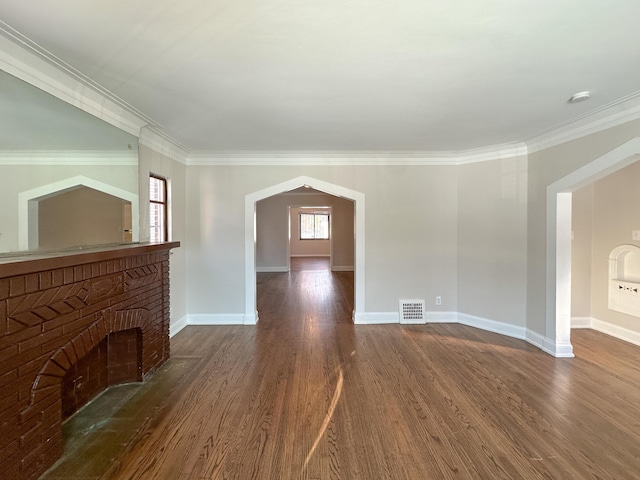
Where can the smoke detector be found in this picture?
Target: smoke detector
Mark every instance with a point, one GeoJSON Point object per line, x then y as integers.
{"type": "Point", "coordinates": [579, 97]}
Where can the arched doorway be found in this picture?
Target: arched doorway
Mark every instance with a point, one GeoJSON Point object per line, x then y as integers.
{"type": "Point", "coordinates": [251, 315]}
{"type": "Point", "coordinates": [558, 282]}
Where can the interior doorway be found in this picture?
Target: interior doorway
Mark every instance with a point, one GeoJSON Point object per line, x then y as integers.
{"type": "Point", "coordinates": [357, 238]}
{"type": "Point", "coordinates": [559, 211]}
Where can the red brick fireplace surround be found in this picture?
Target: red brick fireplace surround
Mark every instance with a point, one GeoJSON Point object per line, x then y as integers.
{"type": "Point", "coordinates": [73, 324]}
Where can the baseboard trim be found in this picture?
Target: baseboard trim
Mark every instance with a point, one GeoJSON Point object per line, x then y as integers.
{"type": "Point", "coordinates": [621, 333]}
{"type": "Point", "coordinates": [493, 326]}
{"type": "Point", "coordinates": [176, 327]}
{"type": "Point", "coordinates": [376, 318]}
{"type": "Point", "coordinates": [342, 268]}
{"type": "Point", "coordinates": [441, 317]}
{"type": "Point", "coordinates": [216, 319]}
{"type": "Point", "coordinates": [272, 269]}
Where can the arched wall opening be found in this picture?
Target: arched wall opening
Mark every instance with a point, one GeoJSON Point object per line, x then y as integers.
{"type": "Point", "coordinates": [28, 201]}
{"type": "Point", "coordinates": [558, 282]}
{"type": "Point", "coordinates": [251, 314]}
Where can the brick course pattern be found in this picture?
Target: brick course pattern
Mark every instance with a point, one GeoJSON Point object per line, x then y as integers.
{"type": "Point", "coordinates": [51, 319]}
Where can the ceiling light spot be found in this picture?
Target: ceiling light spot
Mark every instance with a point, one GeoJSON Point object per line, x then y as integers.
{"type": "Point", "coordinates": [579, 97]}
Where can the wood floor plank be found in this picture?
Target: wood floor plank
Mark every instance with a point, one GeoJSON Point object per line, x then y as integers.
{"type": "Point", "coordinates": [307, 395]}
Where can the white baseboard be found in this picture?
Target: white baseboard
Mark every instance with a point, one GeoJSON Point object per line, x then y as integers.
{"type": "Point", "coordinates": [493, 326]}
{"type": "Point", "coordinates": [376, 318]}
{"type": "Point", "coordinates": [342, 268]}
{"type": "Point", "coordinates": [216, 319]}
{"type": "Point", "coordinates": [272, 269]}
{"type": "Point", "coordinates": [607, 328]}
{"type": "Point", "coordinates": [441, 317]}
{"type": "Point", "coordinates": [175, 327]}
{"type": "Point", "coordinates": [581, 322]}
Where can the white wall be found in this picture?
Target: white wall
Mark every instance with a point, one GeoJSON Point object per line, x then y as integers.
{"type": "Point", "coordinates": [410, 231]}
{"type": "Point", "coordinates": [492, 236]}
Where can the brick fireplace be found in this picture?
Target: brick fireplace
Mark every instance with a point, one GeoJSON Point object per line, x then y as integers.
{"type": "Point", "coordinates": [72, 325]}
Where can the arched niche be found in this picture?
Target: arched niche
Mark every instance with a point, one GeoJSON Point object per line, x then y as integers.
{"type": "Point", "coordinates": [624, 280]}
{"type": "Point", "coordinates": [29, 203]}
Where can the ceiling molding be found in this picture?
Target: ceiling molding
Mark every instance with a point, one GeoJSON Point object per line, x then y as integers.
{"type": "Point", "coordinates": [66, 158]}
{"type": "Point", "coordinates": [617, 113]}
{"type": "Point", "coordinates": [357, 159]}
{"type": "Point", "coordinates": [28, 61]}
{"type": "Point", "coordinates": [163, 144]}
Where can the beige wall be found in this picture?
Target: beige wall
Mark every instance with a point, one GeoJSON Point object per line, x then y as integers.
{"type": "Point", "coordinates": [410, 231]}
{"type": "Point", "coordinates": [175, 172]}
{"type": "Point", "coordinates": [80, 217]}
{"type": "Point", "coordinates": [305, 248]}
{"type": "Point", "coordinates": [15, 179]}
{"type": "Point", "coordinates": [545, 167]}
{"type": "Point", "coordinates": [272, 229]}
{"type": "Point", "coordinates": [581, 228]}
{"type": "Point", "coordinates": [616, 212]}
{"type": "Point", "coordinates": [492, 236]}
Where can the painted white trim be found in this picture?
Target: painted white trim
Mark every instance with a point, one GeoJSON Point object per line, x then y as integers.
{"type": "Point", "coordinates": [342, 268]}
{"type": "Point", "coordinates": [303, 255]}
{"type": "Point", "coordinates": [558, 247]}
{"type": "Point", "coordinates": [88, 158]}
{"type": "Point", "coordinates": [616, 113]}
{"type": "Point", "coordinates": [178, 326]}
{"type": "Point", "coordinates": [492, 326]}
{"type": "Point", "coordinates": [581, 322]}
{"type": "Point", "coordinates": [215, 319]}
{"type": "Point", "coordinates": [272, 269]}
{"type": "Point", "coordinates": [250, 236]}
{"type": "Point", "coordinates": [27, 224]}
{"type": "Point", "coordinates": [163, 144]}
{"type": "Point", "coordinates": [28, 61]}
{"type": "Point", "coordinates": [495, 152]}
{"type": "Point", "coordinates": [441, 317]}
{"type": "Point", "coordinates": [376, 318]}
{"type": "Point", "coordinates": [621, 333]}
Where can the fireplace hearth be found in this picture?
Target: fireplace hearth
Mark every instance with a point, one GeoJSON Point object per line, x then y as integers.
{"type": "Point", "coordinates": [71, 326]}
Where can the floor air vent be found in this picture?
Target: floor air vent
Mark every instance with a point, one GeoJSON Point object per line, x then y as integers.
{"type": "Point", "coordinates": [412, 311]}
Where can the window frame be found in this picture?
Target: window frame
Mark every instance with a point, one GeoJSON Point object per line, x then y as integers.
{"type": "Point", "coordinates": [165, 208]}
{"type": "Point", "coordinates": [314, 214]}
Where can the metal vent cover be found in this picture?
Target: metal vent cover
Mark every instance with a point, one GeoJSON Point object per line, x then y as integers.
{"type": "Point", "coordinates": [412, 311]}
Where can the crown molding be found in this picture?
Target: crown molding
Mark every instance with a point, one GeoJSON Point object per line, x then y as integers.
{"type": "Point", "coordinates": [65, 158]}
{"type": "Point", "coordinates": [163, 144]}
{"type": "Point", "coordinates": [28, 61]}
{"type": "Point", "coordinates": [616, 113]}
{"type": "Point", "coordinates": [356, 159]}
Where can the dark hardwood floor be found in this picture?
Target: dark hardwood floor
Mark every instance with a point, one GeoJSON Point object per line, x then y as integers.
{"type": "Point", "coordinates": [305, 394]}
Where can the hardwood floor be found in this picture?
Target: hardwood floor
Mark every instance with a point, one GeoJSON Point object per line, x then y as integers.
{"type": "Point", "coordinates": [305, 394]}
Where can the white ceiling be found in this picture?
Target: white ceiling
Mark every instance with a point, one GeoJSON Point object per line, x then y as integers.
{"type": "Point", "coordinates": [349, 75]}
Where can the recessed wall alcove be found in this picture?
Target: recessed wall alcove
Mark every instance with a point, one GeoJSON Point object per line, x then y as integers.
{"type": "Point", "coordinates": [624, 279]}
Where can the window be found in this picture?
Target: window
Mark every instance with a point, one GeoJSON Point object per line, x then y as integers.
{"type": "Point", "coordinates": [158, 209]}
{"type": "Point", "coordinates": [314, 226]}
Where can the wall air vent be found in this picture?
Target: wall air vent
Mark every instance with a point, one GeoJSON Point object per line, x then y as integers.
{"type": "Point", "coordinates": [412, 311]}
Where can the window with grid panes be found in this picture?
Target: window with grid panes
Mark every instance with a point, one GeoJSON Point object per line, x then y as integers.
{"type": "Point", "coordinates": [158, 209]}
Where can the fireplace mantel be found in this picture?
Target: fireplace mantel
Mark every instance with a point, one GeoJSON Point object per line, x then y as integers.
{"type": "Point", "coordinates": [56, 308]}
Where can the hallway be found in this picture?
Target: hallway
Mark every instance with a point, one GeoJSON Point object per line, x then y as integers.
{"type": "Point", "coordinates": [307, 395]}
